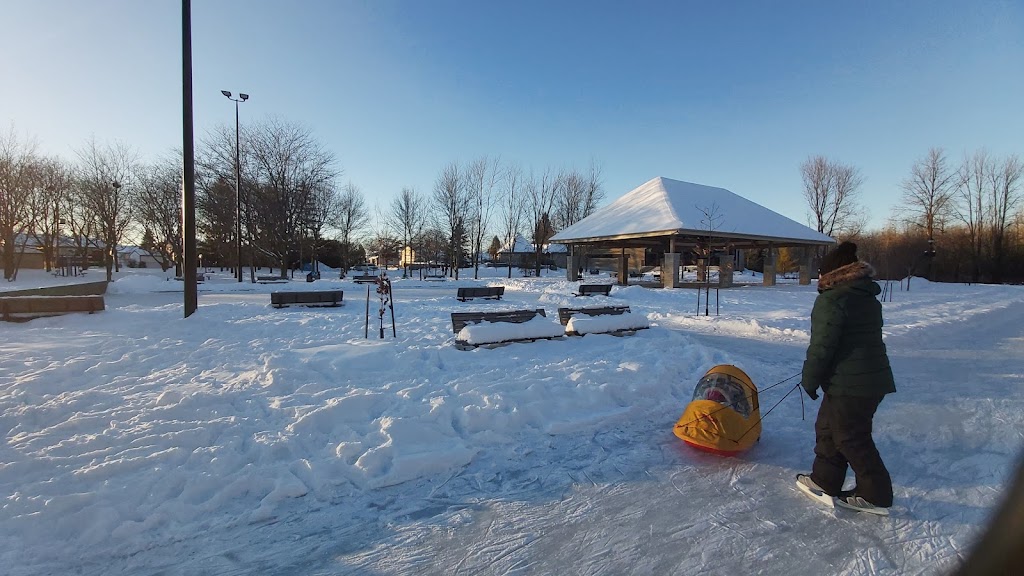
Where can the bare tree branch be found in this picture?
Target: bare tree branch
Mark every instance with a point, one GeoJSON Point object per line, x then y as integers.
{"type": "Point", "coordinates": [351, 218]}
{"type": "Point", "coordinates": [18, 169]}
{"type": "Point", "coordinates": [107, 182]}
{"type": "Point", "coordinates": [158, 206]}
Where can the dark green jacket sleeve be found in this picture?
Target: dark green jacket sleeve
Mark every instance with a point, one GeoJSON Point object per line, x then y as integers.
{"type": "Point", "coordinates": [827, 319]}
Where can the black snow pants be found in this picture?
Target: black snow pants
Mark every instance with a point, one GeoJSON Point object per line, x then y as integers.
{"type": "Point", "coordinates": [843, 437]}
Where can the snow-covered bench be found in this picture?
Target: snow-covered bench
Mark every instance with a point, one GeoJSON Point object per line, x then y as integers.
{"type": "Point", "coordinates": [489, 329]}
{"type": "Point", "coordinates": [615, 320]}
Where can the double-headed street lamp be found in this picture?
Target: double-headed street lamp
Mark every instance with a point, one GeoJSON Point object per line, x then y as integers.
{"type": "Point", "coordinates": [238, 185]}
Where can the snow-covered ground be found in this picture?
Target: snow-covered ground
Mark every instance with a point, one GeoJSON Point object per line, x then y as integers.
{"type": "Point", "coordinates": [254, 440]}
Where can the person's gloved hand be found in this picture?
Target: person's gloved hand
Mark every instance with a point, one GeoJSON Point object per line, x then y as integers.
{"type": "Point", "coordinates": [811, 390]}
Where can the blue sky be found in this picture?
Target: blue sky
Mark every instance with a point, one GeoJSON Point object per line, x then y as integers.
{"type": "Point", "coordinates": [730, 94]}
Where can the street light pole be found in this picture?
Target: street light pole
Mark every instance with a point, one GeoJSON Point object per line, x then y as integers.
{"type": "Point", "coordinates": [238, 186]}
{"type": "Point", "coordinates": [111, 242]}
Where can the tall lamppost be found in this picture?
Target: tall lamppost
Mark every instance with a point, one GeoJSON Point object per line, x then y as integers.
{"type": "Point", "coordinates": [112, 247]}
{"type": "Point", "coordinates": [238, 185]}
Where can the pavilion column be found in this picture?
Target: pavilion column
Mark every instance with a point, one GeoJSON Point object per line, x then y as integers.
{"type": "Point", "coordinates": [805, 266]}
{"type": "Point", "coordinates": [741, 260]}
{"type": "Point", "coordinates": [769, 266]}
{"type": "Point", "coordinates": [670, 271]}
{"type": "Point", "coordinates": [623, 268]}
{"type": "Point", "coordinates": [572, 268]}
{"type": "Point", "coordinates": [725, 270]}
{"type": "Point", "coordinates": [670, 266]}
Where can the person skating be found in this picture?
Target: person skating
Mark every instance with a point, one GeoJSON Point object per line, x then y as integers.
{"type": "Point", "coordinates": [847, 360]}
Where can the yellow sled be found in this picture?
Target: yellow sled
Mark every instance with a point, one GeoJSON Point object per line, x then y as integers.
{"type": "Point", "coordinates": [724, 417]}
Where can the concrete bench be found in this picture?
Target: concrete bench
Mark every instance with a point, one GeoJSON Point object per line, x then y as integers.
{"type": "Point", "coordinates": [307, 298]}
{"type": "Point", "coordinates": [462, 319]}
{"type": "Point", "coordinates": [494, 292]}
{"type": "Point", "coordinates": [591, 289]}
{"type": "Point", "coordinates": [24, 308]}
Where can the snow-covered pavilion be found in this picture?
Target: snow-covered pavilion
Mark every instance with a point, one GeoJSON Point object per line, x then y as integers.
{"type": "Point", "coordinates": [665, 217]}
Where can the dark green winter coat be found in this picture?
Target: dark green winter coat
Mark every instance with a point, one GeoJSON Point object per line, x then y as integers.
{"type": "Point", "coordinates": [846, 356]}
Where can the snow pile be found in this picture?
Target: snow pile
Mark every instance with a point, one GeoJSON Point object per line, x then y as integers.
{"type": "Point", "coordinates": [143, 283]}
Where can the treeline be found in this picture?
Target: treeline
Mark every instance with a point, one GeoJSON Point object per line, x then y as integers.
{"type": "Point", "coordinates": [290, 203]}
{"type": "Point", "coordinates": [953, 222]}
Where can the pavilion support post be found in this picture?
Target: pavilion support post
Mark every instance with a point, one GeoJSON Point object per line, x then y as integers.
{"type": "Point", "coordinates": [769, 265]}
{"type": "Point", "coordinates": [623, 268]}
{"type": "Point", "coordinates": [572, 270]}
{"type": "Point", "coordinates": [741, 260]}
{"type": "Point", "coordinates": [670, 271]}
{"type": "Point", "coordinates": [805, 266]}
{"type": "Point", "coordinates": [725, 270]}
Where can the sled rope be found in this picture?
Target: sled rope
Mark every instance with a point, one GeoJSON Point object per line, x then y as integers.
{"type": "Point", "coordinates": [730, 405]}
{"type": "Point", "coordinates": [773, 407]}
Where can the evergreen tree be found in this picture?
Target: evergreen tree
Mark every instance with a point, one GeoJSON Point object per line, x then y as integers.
{"type": "Point", "coordinates": [494, 248]}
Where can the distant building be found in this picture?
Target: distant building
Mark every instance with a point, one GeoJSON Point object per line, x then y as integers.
{"type": "Point", "coordinates": [522, 253]}
{"type": "Point", "coordinates": [136, 257]}
{"type": "Point", "coordinates": [29, 251]}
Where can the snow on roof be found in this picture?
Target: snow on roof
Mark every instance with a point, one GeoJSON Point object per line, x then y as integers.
{"type": "Point", "coordinates": [520, 245]}
{"type": "Point", "coordinates": [666, 205]}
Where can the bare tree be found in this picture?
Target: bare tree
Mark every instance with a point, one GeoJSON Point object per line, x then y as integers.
{"type": "Point", "coordinates": [481, 178]}
{"type": "Point", "coordinates": [215, 207]}
{"type": "Point", "coordinates": [323, 210]}
{"type": "Point", "coordinates": [351, 218]}
{"type": "Point", "coordinates": [106, 181]}
{"type": "Point", "coordinates": [928, 192]}
{"type": "Point", "coordinates": [541, 196]}
{"type": "Point", "coordinates": [817, 177]}
{"type": "Point", "coordinates": [512, 206]}
{"type": "Point", "coordinates": [382, 242]}
{"type": "Point", "coordinates": [433, 246]}
{"type": "Point", "coordinates": [158, 205]}
{"type": "Point", "coordinates": [970, 208]}
{"type": "Point", "coordinates": [1005, 194]}
{"type": "Point", "coordinates": [927, 196]}
{"type": "Point", "coordinates": [849, 218]}
{"type": "Point", "coordinates": [408, 218]}
{"type": "Point", "coordinates": [451, 206]}
{"type": "Point", "coordinates": [217, 201]}
{"type": "Point", "coordinates": [53, 184]}
{"type": "Point", "coordinates": [18, 169]}
{"type": "Point", "coordinates": [831, 191]}
{"type": "Point", "coordinates": [578, 197]}
{"type": "Point", "coordinates": [290, 166]}
{"type": "Point", "coordinates": [710, 222]}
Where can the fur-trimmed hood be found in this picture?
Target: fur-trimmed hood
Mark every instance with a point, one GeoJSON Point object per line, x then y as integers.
{"type": "Point", "coordinates": [845, 274]}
